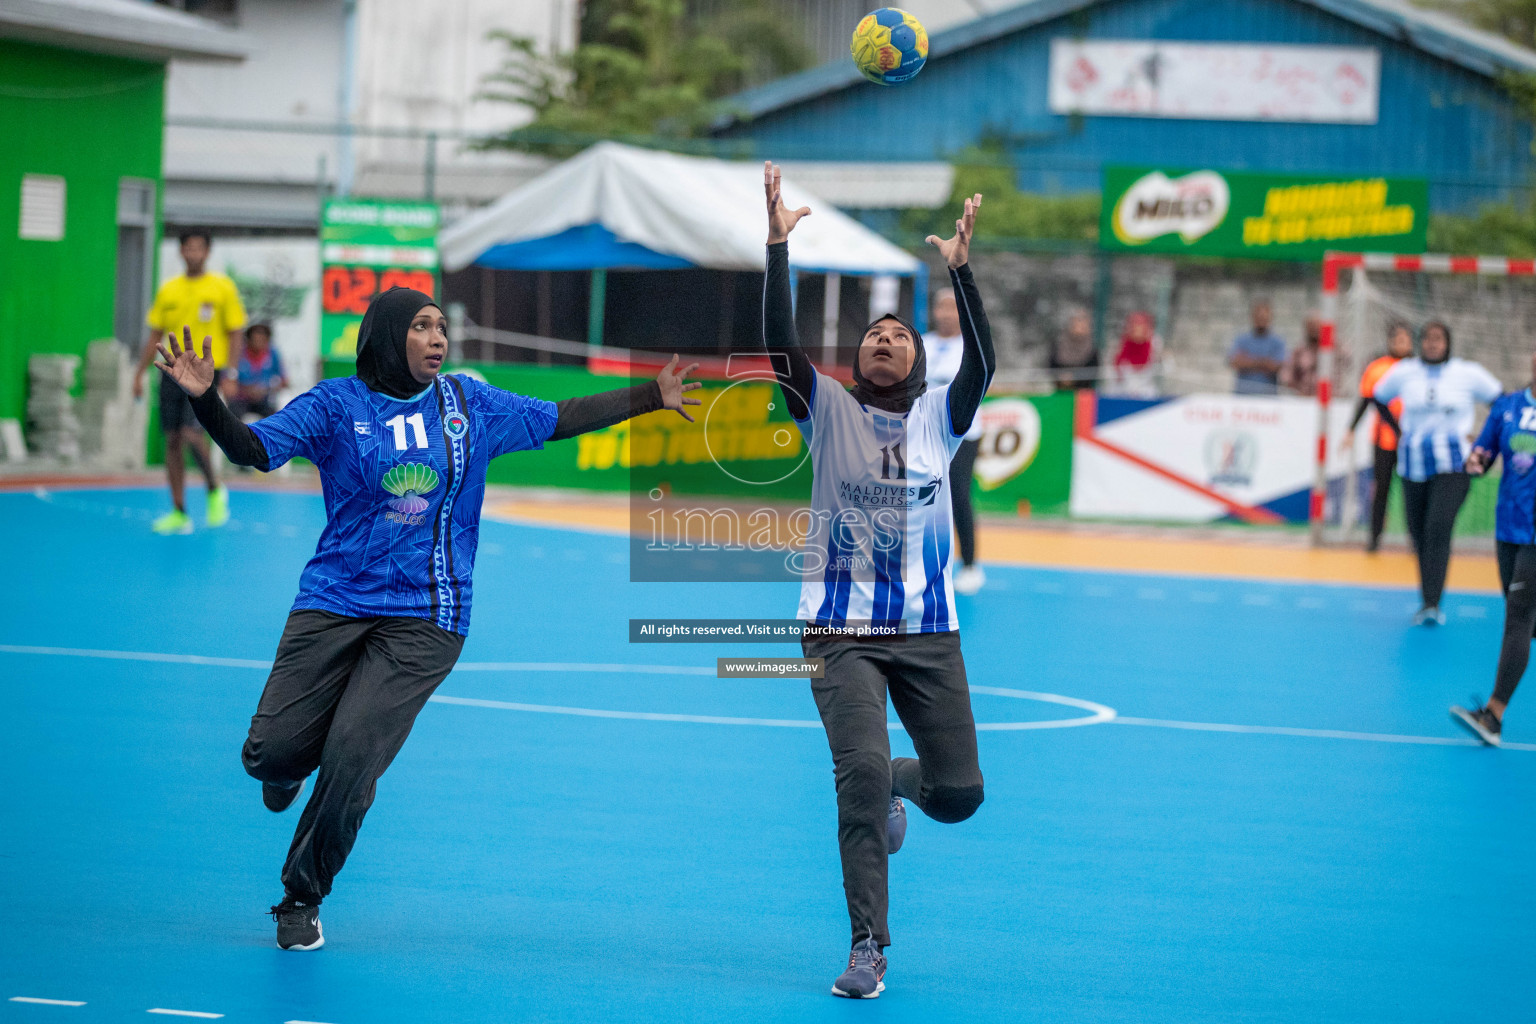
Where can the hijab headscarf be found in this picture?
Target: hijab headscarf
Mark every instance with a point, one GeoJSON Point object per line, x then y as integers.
{"type": "Point", "coordinates": [897, 397]}
{"type": "Point", "coordinates": [1074, 349]}
{"type": "Point", "coordinates": [381, 361]}
{"type": "Point", "coordinates": [1425, 330]}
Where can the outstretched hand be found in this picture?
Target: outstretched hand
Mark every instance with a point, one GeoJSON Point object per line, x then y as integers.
{"type": "Point", "coordinates": [670, 380]}
{"type": "Point", "coordinates": [192, 373]}
{"type": "Point", "coordinates": [957, 250]}
{"type": "Point", "coordinates": [780, 220]}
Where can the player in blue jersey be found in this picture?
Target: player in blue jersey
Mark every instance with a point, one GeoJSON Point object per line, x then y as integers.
{"type": "Point", "coordinates": [383, 606]}
{"type": "Point", "coordinates": [1510, 434]}
{"type": "Point", "coordinates": [878, 560]}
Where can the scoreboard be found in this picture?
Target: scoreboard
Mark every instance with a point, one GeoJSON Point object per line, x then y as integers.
{"type": "Point", "coordinates": [368, 246]}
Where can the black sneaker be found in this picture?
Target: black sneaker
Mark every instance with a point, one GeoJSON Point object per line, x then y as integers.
{"type": "Point", "coordinates": [280, 798]}
{"type": "Point", "coordinates": [298, 925]}
{"type": "Point", "coordinates": [866, 969]}
{"type": "Point", "coordinates": [1483, 723]}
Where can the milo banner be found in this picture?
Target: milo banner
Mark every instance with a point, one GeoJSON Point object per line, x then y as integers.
{"type": "Point", "coordinates": [368, 246]}
{"type": "Point", "coordinates": [1272, 216]}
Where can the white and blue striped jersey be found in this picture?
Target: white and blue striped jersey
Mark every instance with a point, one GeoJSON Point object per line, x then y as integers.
{"type": "Point", "coordinates": [1439, 407]}
{"type": "Point", "coordinates": [877, 550]}
{"type": "Point", "coordinates": [944, 357]}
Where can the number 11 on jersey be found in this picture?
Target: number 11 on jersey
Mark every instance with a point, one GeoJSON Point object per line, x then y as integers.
{"type": "Point", "coordinates": [418, 426]}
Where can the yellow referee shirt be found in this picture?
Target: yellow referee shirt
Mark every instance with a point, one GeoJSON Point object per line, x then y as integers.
{"type": "Point", "coordinates": [208, 303]}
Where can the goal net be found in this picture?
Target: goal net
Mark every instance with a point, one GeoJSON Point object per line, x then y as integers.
{"type": "Point", "coordinates": [1489, 303]}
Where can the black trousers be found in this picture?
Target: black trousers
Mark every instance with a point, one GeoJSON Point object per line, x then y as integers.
{"type": "Point", "coordinates": [342, 697]}
{"type": "Point", "coordinates": [961, 469]}
{"type": "Point", "coordinates": [1517, 574]}
{"type": "Point", "coordinates": [1430, 507]}
{"type": "Point", "coordinates": [1383, 470]}
{"type": "Point", "coordinates": [925, 677]}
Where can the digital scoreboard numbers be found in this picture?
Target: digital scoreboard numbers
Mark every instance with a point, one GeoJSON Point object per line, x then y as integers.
{"type": "Point", "coordinates": [368, 246]}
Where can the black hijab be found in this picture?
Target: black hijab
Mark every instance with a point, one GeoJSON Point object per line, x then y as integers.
{"type": "Point", "coordinates": [381, 361]}
{"type": "Point", "coordinates": [1425, 330]}
{"type": "Point", "coordinates": [896, 397]}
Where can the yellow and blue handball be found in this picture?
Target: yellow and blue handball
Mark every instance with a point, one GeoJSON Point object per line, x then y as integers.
{"type": "Point", "coordinates": [889, 46]}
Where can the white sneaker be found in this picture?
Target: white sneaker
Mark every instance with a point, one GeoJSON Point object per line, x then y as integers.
{"type": "Point", "coordinates": [969, 579]}
{"type": "Point", "coordinates": [1429, 616]}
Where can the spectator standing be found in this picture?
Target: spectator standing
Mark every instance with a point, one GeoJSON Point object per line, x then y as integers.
{"type": "Point", "coordinates": [260, 375]}
{"type": "Point", "coordinates": [1299, 374]}
{"type": "Point", "coordinates": [1135, 363]}
{"type": "Point", "coordinates": [1258, 355]}
{"type": "Point", "coordinates": [1074, 357]}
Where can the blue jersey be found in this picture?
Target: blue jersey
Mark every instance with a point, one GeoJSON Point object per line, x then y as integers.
{"type": "Point", "coordinates": [403, 479]}
{"type": "Point", "coordinates": [1510, 434]}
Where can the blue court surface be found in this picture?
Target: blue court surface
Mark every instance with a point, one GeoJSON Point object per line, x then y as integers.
{"type": "Point", "coordinates": [1280, 822]}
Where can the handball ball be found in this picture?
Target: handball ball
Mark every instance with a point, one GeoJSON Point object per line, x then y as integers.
{"type": "Point", "coordinates": [889, 46]}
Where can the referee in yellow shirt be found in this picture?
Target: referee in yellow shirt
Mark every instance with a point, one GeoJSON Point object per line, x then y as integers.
{"type": "Point", "coordinates": [210, 305]}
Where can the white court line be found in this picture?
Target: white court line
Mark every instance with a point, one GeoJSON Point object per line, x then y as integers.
{"type": "Point", "coordinates": [45, 1002]}
{"type": "Point", "coordinates": [180, 659]}
{"type": "Point", "coordinates": [463, 666]}
{"type": "Point", "coordinates": [303, 1022]}
{"type": "Point", "coordinates": [185, 1013]}
{"type": "Point", "coordinates": [1324, 734]}
{"type": "Point", "coordinates": [1100, 713]}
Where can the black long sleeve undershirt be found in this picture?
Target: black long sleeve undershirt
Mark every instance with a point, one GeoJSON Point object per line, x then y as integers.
{"type": "Point", "coordinates": [572, 416]}
{"type": "Point", "coordinates": [978, 362]}
{"type": "Point", "coordinates": [797, 377]}
{"type": "Point", "coordinates": [1381, 410]}
{"type": "Point", "coordinates": [585, 413]}
{"type": "Point", "coordinates": [239, 441]}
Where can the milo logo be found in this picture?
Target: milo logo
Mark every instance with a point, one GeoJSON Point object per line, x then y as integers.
{"type": "Point", "coordinates": [1156, 205]}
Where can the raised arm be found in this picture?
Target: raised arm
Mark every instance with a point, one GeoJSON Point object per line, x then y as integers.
{"type": "Point", "coordinates": [792, 367]}
{"type": "Point", "coordinates": [977, 361]}
{"type": "Point", "coordinates": [194, 375]}
{"type": "Point", "coordinates": [595, 412]}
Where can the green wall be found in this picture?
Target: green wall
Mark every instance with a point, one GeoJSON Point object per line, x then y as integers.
{"type": "Point", "coordinates": [92, 120]}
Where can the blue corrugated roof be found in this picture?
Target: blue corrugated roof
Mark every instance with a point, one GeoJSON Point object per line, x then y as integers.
{"type": "Point", "coordinates": [1438, 34]}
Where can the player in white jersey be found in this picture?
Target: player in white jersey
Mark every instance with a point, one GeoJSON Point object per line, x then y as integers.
{"type": "Point", "coordinates": [944, 347]}
{"type": "Point", "coordinates": [876, 597]}
{"type": "Point", "coordinates": [1439, 395]}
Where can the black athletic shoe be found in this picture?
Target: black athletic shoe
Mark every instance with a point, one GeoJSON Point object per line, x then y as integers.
{"type": "Point", "coordinates": [1483, 723]}
{"type": "Point", "coordinates": [866, 968]}
{"type": "Point", "coordinates": [280, 798]}
{"type": "Point", "coordinates": [298, 925]}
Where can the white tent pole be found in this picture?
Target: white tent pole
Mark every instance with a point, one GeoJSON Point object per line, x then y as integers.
{"type": "Point", "coordinates": [829, 315]}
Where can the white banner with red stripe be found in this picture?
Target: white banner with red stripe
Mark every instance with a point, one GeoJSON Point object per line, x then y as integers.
{"type": "Point", "coordinates": [1201, 458]}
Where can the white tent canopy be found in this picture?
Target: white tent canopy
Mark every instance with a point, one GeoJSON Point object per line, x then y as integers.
{"type": "Point", "coordinates": [687, 211]}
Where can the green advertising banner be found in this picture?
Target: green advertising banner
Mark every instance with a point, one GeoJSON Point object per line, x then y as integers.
{"type": "Point", "coordinates": [743, 438]}
{"type": "Point", "coordinates": [368, 246]}
{"type": "Point", "coordinates": [1271, 216]}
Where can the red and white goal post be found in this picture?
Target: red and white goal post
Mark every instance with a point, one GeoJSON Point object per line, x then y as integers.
{"type": "Point", "coordinates": [1333, 264]}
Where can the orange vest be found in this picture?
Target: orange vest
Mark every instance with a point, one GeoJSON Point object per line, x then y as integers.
{"type": "Point", "coordinates": [1385, 436]}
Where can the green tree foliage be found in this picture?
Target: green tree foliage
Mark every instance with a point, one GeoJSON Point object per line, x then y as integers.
{"type": "Point", "coordinates": [643, 68]}
{"type": "Point", "coordinates": [1498, 229]}
{"type": "Point", "coordinates": [1007, 213]}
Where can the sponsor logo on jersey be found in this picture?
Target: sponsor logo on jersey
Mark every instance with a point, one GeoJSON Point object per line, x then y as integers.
{"type": "Point", "coordinates": [1523, 446]}
{"type": "Point", "coordinates": [409, 482]}
{"type": "Point", "coordinates": [363, 427]}
{"type": "Point", "coordinates": [890, 495]}
{"type": "Point", "coordinates": [456, 426]}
